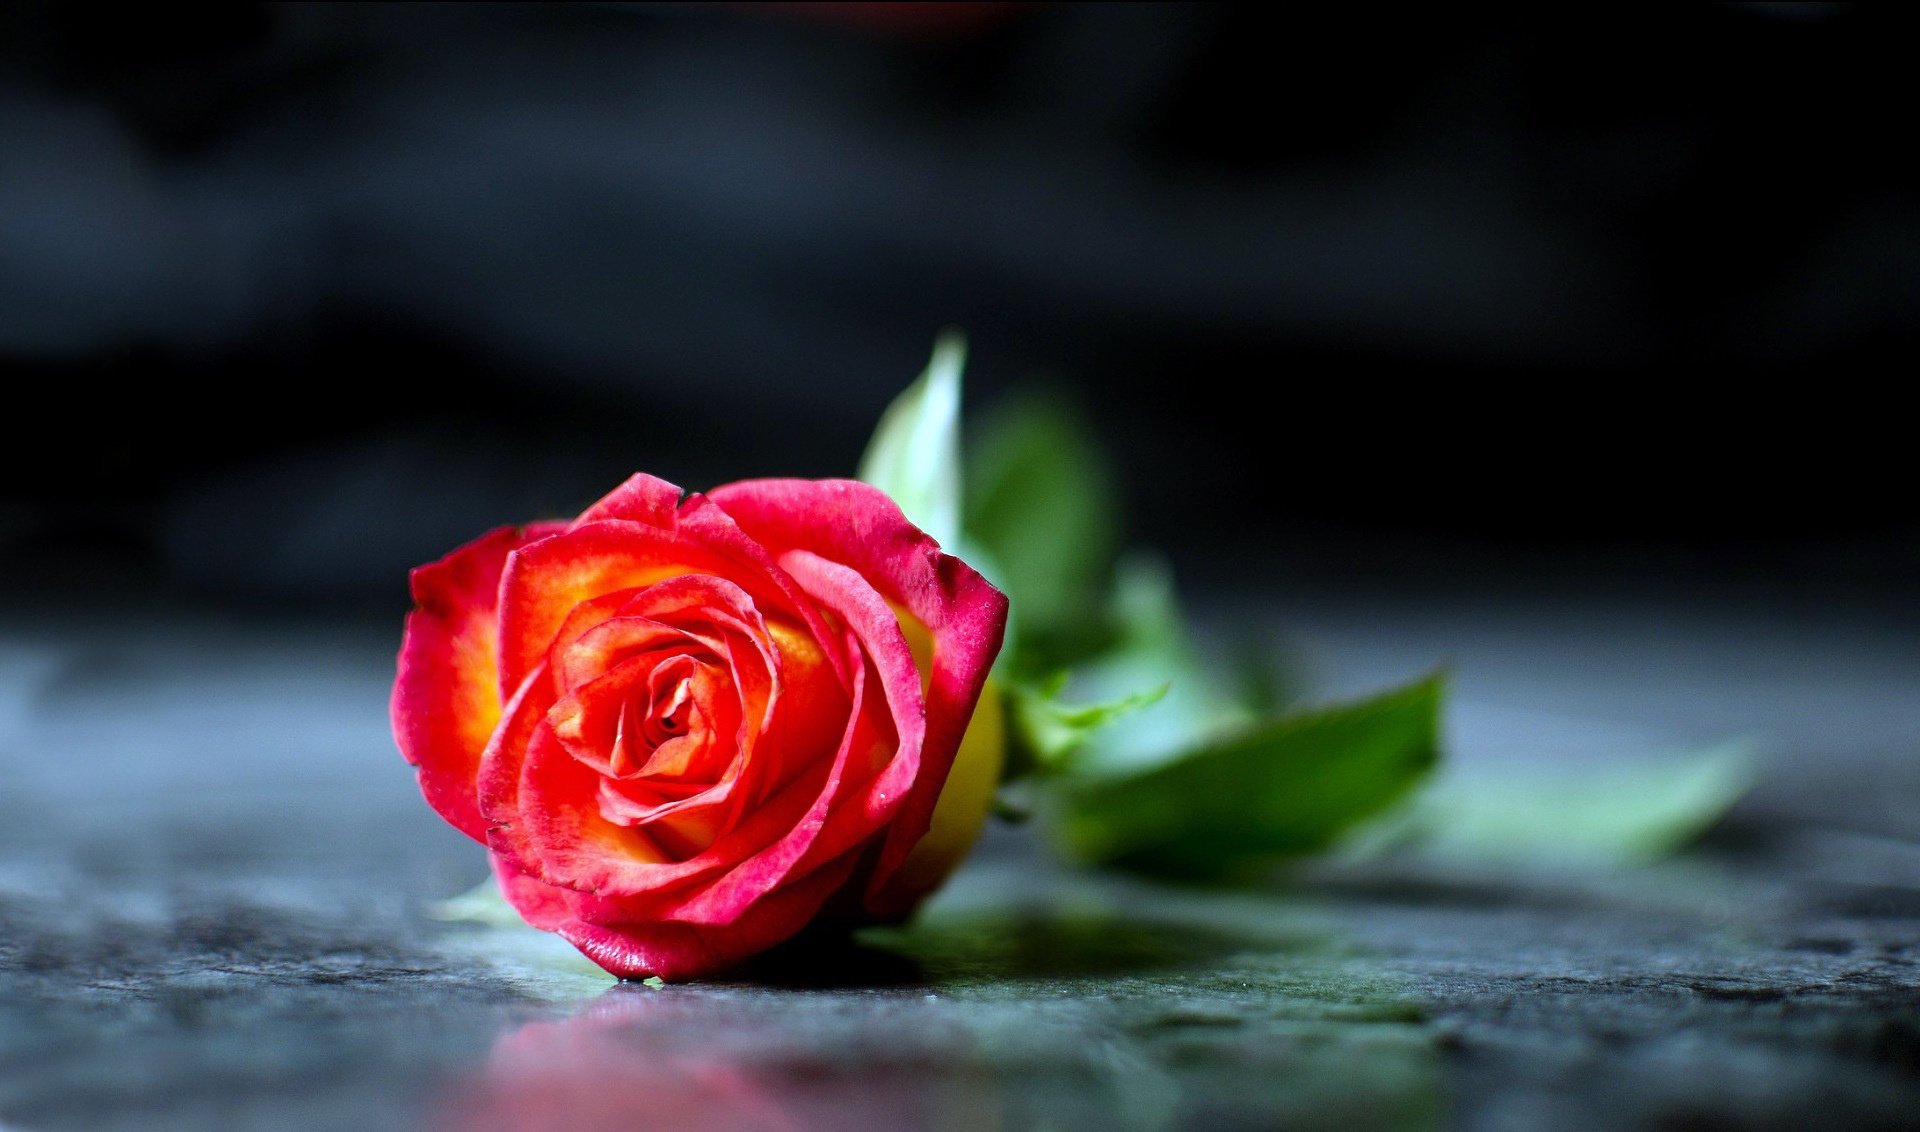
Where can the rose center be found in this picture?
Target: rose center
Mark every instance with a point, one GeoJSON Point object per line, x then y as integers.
{"type": "Point", "coordinates": [668, 716]}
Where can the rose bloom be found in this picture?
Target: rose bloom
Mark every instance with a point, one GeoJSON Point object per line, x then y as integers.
{"type": "Point", "coordinates": [686, 729]}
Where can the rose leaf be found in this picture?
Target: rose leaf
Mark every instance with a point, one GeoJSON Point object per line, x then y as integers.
{"type": "Point", "coordinates": [914, 455]}
{"type": "Point", "coordinates": [1288, 786]}
{"type": "Point", "coordinates": [1042, 502]}
{"type": "Point", "coordinates": [481, 904]}
{"type": "Point", "coordinates": [1551, 815]}
{"type": "Point", "coordinates": [1153, 649]}
{"type": "Point", "coordinates": [1050, 732]}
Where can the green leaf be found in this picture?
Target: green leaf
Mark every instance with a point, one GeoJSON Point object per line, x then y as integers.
{"type": "Point", "coordinates": [481, 904]}
{"type": "Point", "coordinates": [1153, 650]}
{"type": "Point", "coordinates": [1553, 816]}
{"type": "Point", "coordinates": [1050, 732]}
{"type": "Point", "coordinates": [914, 455]}
{"type": "Point", "coordinates": [1041, 501]}
{"type": "Point", "coordinates": [1290, 786]}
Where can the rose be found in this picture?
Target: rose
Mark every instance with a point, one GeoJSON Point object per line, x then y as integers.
{"type": "Point", "coordinates": [684, 728]}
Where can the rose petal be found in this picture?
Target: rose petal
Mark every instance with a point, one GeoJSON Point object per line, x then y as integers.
{"type": "Point", "coordinates": [859, 527]}
{"type": "Point", "coordinates": [541, 905]}
{"type": "Point", "coordinates": [581, 620]}
{"type": "Point", "coordinates": [677, 951]}
{"type": "Point", "coordinates": [504, 759]}
{"type": "Point", "coordinates": [641, 499]}
{"type": "Point", "coordinates": [700, 518]}
{"type": "Point", "coordinates": [564, 823]}
{"type": "Point", "coordinates": [446, 697]}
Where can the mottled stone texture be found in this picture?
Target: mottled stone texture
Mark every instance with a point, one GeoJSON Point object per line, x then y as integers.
{"type": "Point", "coordinates": [214, 877]}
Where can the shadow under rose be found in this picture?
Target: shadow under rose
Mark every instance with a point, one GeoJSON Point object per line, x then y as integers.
{"type": "Point", "coordinates": [833, 959]}
{"type": "Point", "coordinates": [989, 947]}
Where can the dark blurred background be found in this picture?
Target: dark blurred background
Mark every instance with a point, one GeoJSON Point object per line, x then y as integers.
{"type": "Point", "coordinates": [293, 297]}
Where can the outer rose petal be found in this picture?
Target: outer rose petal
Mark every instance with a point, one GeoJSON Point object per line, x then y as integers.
{"type": "Point", "coordinates": [676, 951]}
{"type": "Point", "coordinates": [497, 784]}
{"type": "Point", "coordinates": [446, 697]}
{"type": "Point", "coordinates": [857, 526]}
{"type": "Point", "coordinates": [640, 948]}
{"type": "Point", "coordinates": [642, 499]}
{"type": "Point", "coordinates": [539, 904]}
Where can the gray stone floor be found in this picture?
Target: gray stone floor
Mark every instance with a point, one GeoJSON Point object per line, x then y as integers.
{"type": "Point", "coordinates": [214, 879]}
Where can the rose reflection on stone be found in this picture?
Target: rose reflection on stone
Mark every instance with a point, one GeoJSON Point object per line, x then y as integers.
{"type": "Point", "coordinates": [636, 1059]}
{"type": "Point", "coordinates": [687, 728]}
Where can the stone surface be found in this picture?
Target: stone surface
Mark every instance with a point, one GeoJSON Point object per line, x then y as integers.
{"type": "Point", "coordinates": [215, 879]}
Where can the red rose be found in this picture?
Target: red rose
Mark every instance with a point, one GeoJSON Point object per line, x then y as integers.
{"type": "Point", "coordinates": [683, 727]}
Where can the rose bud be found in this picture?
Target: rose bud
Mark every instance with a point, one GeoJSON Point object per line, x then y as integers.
{"type": "Point", "coordinates": [686, 729]}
